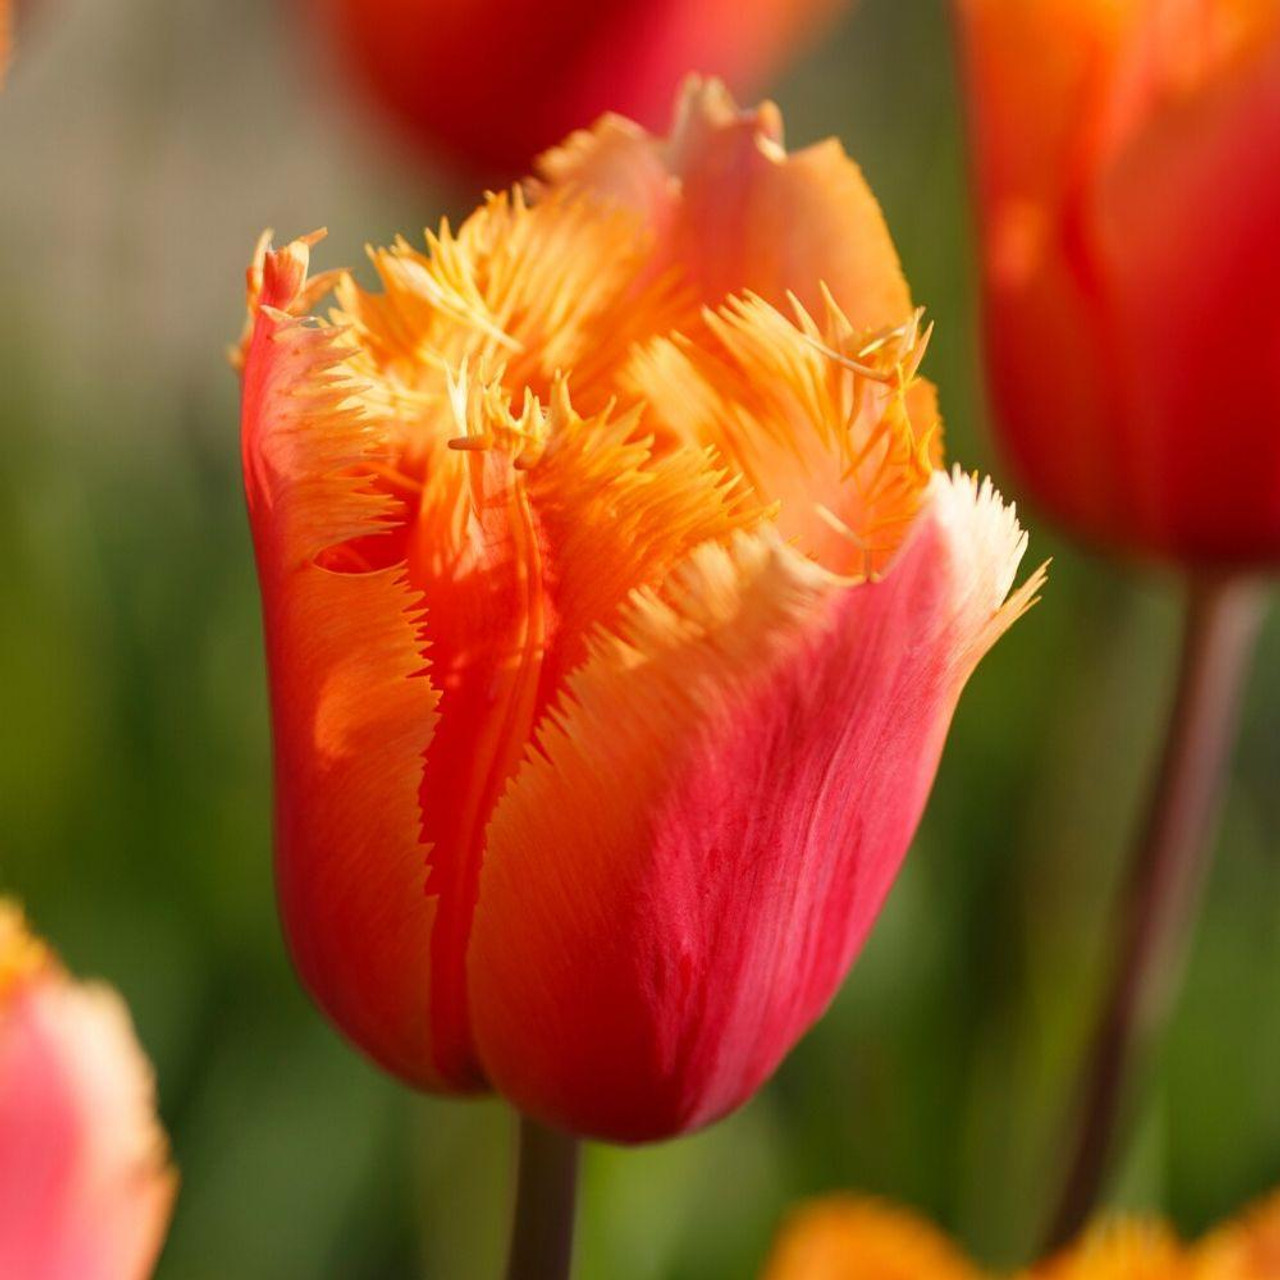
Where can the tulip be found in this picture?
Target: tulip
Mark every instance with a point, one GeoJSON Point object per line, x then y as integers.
{"type": "Point", "coordinates": [1123, 1250]}
{"type": "Point", "coordinates": [85, 1185]}
{"type": "Point", "coordinates": [843, 1237]}
{"type": "Point", "coordinates": [615, 612]}
{"type": "Point", "coordinates": [1247, 1248]}
{"type": "Point", "coordinates": [1128, 196]}
{"type": "Point", "coordinates": [490, 83]}
{"type": "Point", "coordinates": [848, 1238]}
{"type": "Point", "coordinates": [1128, 199]}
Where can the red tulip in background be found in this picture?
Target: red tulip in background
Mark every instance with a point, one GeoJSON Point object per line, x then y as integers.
{"type": "Point", "coordinates": [615, 614]}
{"type": "Point", "coordinates": [1129, 193]}
{"type": "Point", "coordinates": [490, 83]}
{"type": "Point", "coordinates": [85, 1185]}
{"type": "Point", "coordinates": [1127, 169]}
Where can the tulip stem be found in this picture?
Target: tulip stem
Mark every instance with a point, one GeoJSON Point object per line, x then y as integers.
{"type": "Point", "coordinates": [1166, 878]}
{"type": "Point", "coordinates": [546, 1198]}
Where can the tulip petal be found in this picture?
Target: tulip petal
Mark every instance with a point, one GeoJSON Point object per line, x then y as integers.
{"type": "Point", "coordinates": [820, 420]}
{"type": "Point", "coordinates": [432, 563]}
{"type": "Point", "coordinates": [1186, 221]}
{"type": "Point", "coordinates": [555, 519]}
{"type": "Point", "coordinates": [352, 713]}
{"type": "Point", "coordinates": [85, 1187]}
{"type": "Point", "coordinates": [844, 1237]}
{"type": "Point", "coordinates": [1125, 1250]}
{"type": "Point", "coordinates": [1037, 74]}
{"type": "Point", "coordinates": [1037, 77]}
{"type": "Point", "coordinates": [735, 213]}
{"type": "Point", "coordinates": [1128, 226]}
{"type": "Point", "coordinates": [1246, 1248]}
{"type": "Point", "coordinates": [520, 293]}
{"type": "Point", "coordinates": [627, 240]}
{"type": "Point", "coordinates": [682, 872]}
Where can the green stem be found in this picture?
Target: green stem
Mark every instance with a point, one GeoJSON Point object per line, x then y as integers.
{"type": "Point", "coordinates": [546, 1198]}
{"type": "Point", "coordinates": [1162, 895]}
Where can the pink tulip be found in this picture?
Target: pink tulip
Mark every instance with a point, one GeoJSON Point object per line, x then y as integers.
{"type": "Point", "coordinates": [85, 1184]}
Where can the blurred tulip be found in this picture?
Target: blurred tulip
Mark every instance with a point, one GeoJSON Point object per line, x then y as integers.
{"type": "Point", "coordinates": [1245, 1249]}
{"type": "Point", "coordinates": [85, 1185]}
{"type": "Point", "coordinates": [845, 1238]}
{"type": "Point", "coordinates": [1121, 1250]}
{"type": "Point", "coordinates": [6, 37]}
{"type": "Point", "coordinates": [490, 83]}
{"type": "Point", "coordinates": [1129, 194]}
{"type": "Point", "coordinates": [614, 618]}
{"type": "Point", "coordinates": [1128, 199]}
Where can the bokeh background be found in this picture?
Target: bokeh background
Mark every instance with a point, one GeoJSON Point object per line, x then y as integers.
{"type": "Point", "coordinates": [143, 146]}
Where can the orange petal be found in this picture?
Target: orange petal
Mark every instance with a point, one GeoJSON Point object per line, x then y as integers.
{"type": "Point", "coordinates": [1038, 82]}
{"type": "Point", "coordinates": [848, 1238]}
{"type": "Point", "coordinates": [554, 520]}
{"type": "Point", "coordinates": [1247, 1248]}
{"type": "Point", "coordinates": [85, 1186]}
{"type": "Point", "coordinates": [627, 239]}
{"type": "Point", "coordinates": [521, 291]}
{"type": "Point", "coordinates": [818, 420]}
{"type": "Point", "coordinates": [1038, 78]}
{"type": "Point", "coordinates": [1119, 1251]}
{"type": "Point", "coordinates": [682, 872]}
{"type": "Point", "coordinates": [734, 212]}
{"type": "Point", "coordinates": [352, 712]}
{"type": "Point", "coordinates": [432, 563]}
{"type": "Point", "coordinates": [1177, 50]}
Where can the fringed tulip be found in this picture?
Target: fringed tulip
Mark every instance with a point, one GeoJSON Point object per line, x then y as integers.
{"type": "Point", "coordinates": [846, 1238]}
{"type": "Point", "coordinates": [615, 614]}
{"type": "Point", "coordinates": [1129, 195]}
{"type": "Point", "coordinates": [491, 83]}
{"type": "Point", "coordinates": [85, 1185]}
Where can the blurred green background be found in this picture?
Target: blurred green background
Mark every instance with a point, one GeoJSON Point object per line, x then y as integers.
{"type": "Point", "coordinates": [143, 145]}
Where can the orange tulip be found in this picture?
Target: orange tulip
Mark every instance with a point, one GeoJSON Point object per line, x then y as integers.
{"type": "Point", "coordinates": [1247, 1248]}
{"type": "Point", "coordinates": [1120, 1250]}
{"type": "Point", "coordinates": [1128, 191]}
{"type": "Point", "coordinates": [490, 83]}
{"type": "Point", "coordinates": [615, 614]}
{"type": "Point", "coordinates": [85, 1186]}
{"type": "Point", "coordinates": [846, 1238]}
